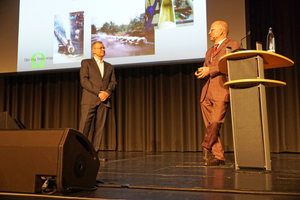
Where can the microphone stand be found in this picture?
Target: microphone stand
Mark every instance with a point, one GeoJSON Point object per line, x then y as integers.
{"type": "Point", "coordinates": [241, 44]}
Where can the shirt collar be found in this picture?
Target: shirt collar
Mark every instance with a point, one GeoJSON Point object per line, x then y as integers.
{"type": "Point", "coordinates": [98, 60]}
{"type": "Point", "coordinates": [221, 42]}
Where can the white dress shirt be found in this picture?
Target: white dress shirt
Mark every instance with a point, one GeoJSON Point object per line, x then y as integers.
{"type": "Point", "coordinates": [100, 65]}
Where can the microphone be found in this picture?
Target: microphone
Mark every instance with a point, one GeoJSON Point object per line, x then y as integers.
{"type": "Point", "coordinates": [241, 45]}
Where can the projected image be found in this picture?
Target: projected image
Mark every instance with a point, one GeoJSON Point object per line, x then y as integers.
{"type": "Point", "coordinates": [125, 37]}
{"type": "Point", "coordinates": [68, 37]}
{"type": "Point", "coordinates": [136, 36]}
{"type": "Point", "coordinates": [169, 13]}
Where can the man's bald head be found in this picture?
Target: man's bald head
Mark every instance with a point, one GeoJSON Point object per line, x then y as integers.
{"type": "Point", "coordinates": [218, 31]}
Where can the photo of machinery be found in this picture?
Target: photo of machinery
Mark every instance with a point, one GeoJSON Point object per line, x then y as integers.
{"type": "Point", "coordinates": [68, 37]}
{"type": "Point", "coordinates": [162, 14]}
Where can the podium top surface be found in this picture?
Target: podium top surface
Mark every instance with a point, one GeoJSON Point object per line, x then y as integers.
{"type": "Point", "coordinates": [271, 60]}
{"type": "Point", "coordinates": [255, 82]}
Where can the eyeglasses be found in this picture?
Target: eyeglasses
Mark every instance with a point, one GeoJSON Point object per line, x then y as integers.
{"type": "Point", "coordinates": [213, 29]}
{"type": "Point", "coordinates": [100, 48]}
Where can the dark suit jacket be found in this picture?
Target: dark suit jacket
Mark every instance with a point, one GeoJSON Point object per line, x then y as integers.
{"type": "Point", "coordinates": [92, 82]}
{"type": "Point", "coordinates": [215, 81]}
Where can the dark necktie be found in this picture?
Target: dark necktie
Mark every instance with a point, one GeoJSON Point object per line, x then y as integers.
{"type": "Point", "coordinates": [215, 49]}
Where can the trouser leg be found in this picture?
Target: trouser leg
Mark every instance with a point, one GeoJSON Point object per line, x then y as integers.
{"type": "Point", "coordinates": [99, 124]}
{"type": "Point", "coordinates": [87, 114]}
{"type": "Point", "coordinates": [214, 115]}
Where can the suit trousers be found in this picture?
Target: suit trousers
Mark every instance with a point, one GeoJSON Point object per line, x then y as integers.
{"type": "Point", "coordinates": [88, 112]}
{"type": "Point", "coordinates": [213, 113]}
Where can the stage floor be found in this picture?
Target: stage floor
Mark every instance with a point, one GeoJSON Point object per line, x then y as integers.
{"type": "Point", "coordinates": [181, 175]}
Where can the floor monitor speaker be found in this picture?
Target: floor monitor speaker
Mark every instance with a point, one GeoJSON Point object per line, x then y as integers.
{"type": "Point", "coordinates": [28, 157]}
{"type": "Point", "coordinates": [7, 122]}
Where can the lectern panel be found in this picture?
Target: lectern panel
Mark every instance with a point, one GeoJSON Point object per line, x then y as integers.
{"type": "Point", "coordinates": [246, 114]}
{"type": "Point", "coordinates": [248, 104]}
{"type": "Point", "coordinates": [247, 129]}
{"type": "Point", "coordinates": [243, 69]}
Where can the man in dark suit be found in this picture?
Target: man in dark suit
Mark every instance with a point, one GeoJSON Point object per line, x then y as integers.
{"type": "Point", "coordinates": [98, 82]}
{"type": "Point", "coordinates": [214, 98]}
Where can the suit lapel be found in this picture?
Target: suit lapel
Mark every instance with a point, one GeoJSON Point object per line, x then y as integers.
{"type": "Point", "coordinates": [221, 47]}
{"type": "Point", "coordinates": [105, 69]}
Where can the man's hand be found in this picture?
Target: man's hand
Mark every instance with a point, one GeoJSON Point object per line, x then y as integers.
{"type": "Point", "coordinates": [202, 72]}
{"type": "Point", "coordinates": [103, 95]}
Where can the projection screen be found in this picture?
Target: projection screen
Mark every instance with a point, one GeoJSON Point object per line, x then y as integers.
{"type": "Point", "coordinates": [43, 35]}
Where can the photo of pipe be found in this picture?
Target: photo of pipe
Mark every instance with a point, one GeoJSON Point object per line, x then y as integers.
{"type": "Point", "coordinates": [67, 44]}
{"type": "Point", "coordinates": [167, 15]}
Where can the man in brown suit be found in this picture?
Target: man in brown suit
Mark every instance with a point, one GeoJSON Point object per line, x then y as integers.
{"type": "Point", "coordinates": [98, 82]}
{"type": "Point", "coordinates": [214, 98]}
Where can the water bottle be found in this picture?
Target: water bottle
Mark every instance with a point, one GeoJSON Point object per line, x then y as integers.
{"type": "Point", "coordinates": [270, 41]}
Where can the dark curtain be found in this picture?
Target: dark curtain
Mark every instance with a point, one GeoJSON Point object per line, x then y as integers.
{"type": "Point", "coordinates": [283, 102]}
{"type": "Point", "coordinates": [156, 108]}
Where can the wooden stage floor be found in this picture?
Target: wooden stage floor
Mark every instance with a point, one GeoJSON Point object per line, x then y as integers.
{"type": "Point", "coordinates": [182, 176]}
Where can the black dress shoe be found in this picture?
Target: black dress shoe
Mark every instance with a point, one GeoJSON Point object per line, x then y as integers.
{"type": "Point", "coordinates": [101, 159]}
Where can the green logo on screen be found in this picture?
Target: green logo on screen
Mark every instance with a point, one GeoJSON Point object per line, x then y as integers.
{"type": "Point", "coordinates": [38, 60]}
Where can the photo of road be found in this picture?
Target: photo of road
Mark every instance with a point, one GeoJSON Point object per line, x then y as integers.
{"type": "Point", "coordinates": [122, 46]}
{"type": "Point", "coordinates": [124, 34]}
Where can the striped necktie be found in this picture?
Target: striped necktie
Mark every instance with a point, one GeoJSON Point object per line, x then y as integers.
{"type": "Point", "coordinates": [215, 49]}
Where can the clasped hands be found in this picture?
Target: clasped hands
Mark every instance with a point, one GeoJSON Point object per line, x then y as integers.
{"type": "Point", "coordinates": [202, 72]}
{"type": "Point", "coordinates": [103, 95]}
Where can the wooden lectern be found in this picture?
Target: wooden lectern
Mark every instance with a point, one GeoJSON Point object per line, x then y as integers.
{"type": "Point", "coordinates": [247, 85]}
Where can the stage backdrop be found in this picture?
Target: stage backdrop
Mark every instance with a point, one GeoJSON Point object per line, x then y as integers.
{"type": "Point", "coordinates": [157, 108]}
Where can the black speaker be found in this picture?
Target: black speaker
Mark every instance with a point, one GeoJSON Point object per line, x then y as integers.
{"type": "Point", "coordinates": [27, 157]}
{"type": "Point", "coordinates": [6, 122]}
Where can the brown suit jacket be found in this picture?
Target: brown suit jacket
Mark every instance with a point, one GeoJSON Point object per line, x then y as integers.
{"type": "Point", "coordinates": [92, 82]}
{"type": "Point", "coordinates": [215, 81]}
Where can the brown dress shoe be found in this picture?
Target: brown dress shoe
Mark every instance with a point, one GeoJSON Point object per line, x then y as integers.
{"type": "Point", "coordinates": [215, 162]}
{"type": "Point", "coordinates": [207, 157]}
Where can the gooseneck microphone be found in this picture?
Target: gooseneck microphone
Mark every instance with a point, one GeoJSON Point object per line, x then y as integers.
{"type": "Point", "coordinates": [241, 45]}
